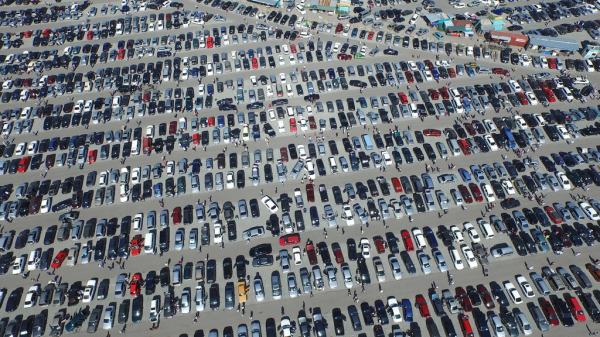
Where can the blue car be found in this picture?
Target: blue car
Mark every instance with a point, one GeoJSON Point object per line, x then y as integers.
{"type": "Point", "coordinates": [465, 175]}
{"type": "Point", "coordinates": [407, 310]}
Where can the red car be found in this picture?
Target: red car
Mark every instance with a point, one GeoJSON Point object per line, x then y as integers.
{"type": "Point", "coordinates": [575, 307]}
{"type": "Point", "coordinates": [136, 244]}
{"type": "Point", "coordinates": [310, 192]}
{"type": "Point", "coordinates": [522, 98]}
{"type": "Point", "coordinates": [432, 132]}
{"type": "Point", "coordinates": [90, 35]}
{"type": "Point", "coordinates": [397, 185]}
{"type": "Point", "coordinates": [176, 215]}
{"type": "Point", "coordinates": [407, 240]}
{"type": "Point", "coordinates": [337, 252]}
{"type": "Point", "coordinates": [463, 298]}
{"type": "Point", "coordinates": [211, 121]}
{"type": "Point", "coordinates": [196, 138]}
{"type": "Point", "coordinates": [293, 127]}
{"type": "Point", "coordinates": [421, 304]}
{"type": "Point", "coordinates": [476, 192]}
{"type": "Point", "coordinates": [312, 122]}
{"type": "Point", "coordinates": [464, 146]}
{"type": "Point", "coordinates": [379, 244]}
{"type": "Point", "coordinates": [434, 94]}
{"type": "Point", "coordinates": [549, 311]}
{"type": "Point", "coordinates": [486, 297]}
{"type": "Point", "coordinates": [464, 192]}
{"type": "Point", "coordinates": [172, 127]}
{"type": "Point", "coordinates": [135, 285]}
{"type": "Point", "coordinates": [23, 164]}
{"type": "Point", "coordinates": [554, 216]}
{"type": "Point", "coordinates": [289, 239]}
{"type": "Point", "coordinates": [59, 259]}
{"type": "Point", "coordinates": [444, 93]}
{"type": "Point", "coordinates": [121, 54]}
{"type": "Point", "coordinates": [92, 155]}
{"type": "Point", "coordinates": [310, 251]}
{"type": "Point", "coordinates": [283, 153]}
{"type": "Point", "coordinates": [403, 97]}
{"type": "Point", "coordinates": [550, 95]}
{"type": "Point", "coordinates": [370, 35]}
{"type": "Point", "coordinates": [254, 63]}
{"type": "Point", "coordinates": [465, 325]}
{"type": "Point", "coordinates": [409, 77]}
{"type": "Point", "coordinates": [210, 42]}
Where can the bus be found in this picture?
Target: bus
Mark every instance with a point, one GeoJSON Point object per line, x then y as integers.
{"type": "Point", "coordinates": [509, 138]}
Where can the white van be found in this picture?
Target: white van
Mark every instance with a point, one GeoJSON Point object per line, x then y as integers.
{"type": "Point", "coordinates": [150, 243]}
{"type": "Point", "coordinates": [333, 165]}
{"type": "Point", "coordinates": [135, 147]}
{"type": "Point", "coordinates": [486, 229]}
{"type": "Point", "coordinates": [455, 256]}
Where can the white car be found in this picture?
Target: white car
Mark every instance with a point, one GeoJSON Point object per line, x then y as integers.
{"type": "Point", "coordinates": [137, 222]}
{"type": "Point", "coordinates": [347, 275]}
{"type": "Point", "coordinates": [564, 182]}
{"type": "Point", "coordinates": [230, 180]}
{"type": "Point", "coordinates": [154, 311]}
{"type": "Point", "coordinates": [135, 175]}
{"type": "Point", "coordinates": [89, 291]}
{"type": "Point", "coordinates": [457, 234]}
{"type": "Point", "coordinates": [297, 255]}
{"type": "Point", "coordinates": [513, 292]}
{"type": "Point", "coordinates": [562, 132]}
{"type": "Point", "coordinates": [34, 258]}
{"type": "Point", "coordinates": [591, 213]}
{"type": "Point", "coordinates": [20, 149]}
{"type": "Point", "coordinates": [285, 327]}
{"type": "Point", "coordinates": [419, 239]}
{"type": "Point", "coordinates": [521, 122]}
{"type": "Point", "coordinates": [394, 309]}
{"type": "Point", "coordinates": [365, 248]}
{"type": "Point", "coordinates": [491, 142]}
{"type": "Point", "coordinates": [18, 266]}
{"type": "Point", "coordinates": [525, 286]}
{"type": "Point", "coordinates": [469, 256]}
{"type": "Point", "coordinates": [347, 215]}
{"type": "Point", "coordinates": [270, 204]}
{"type": "Point", "coordinates": [508, 187]}
{"type": "Point", "coordinates": [472, 232]}
{"type": "Point", "coordinates": [32, 296]}
{"type": "Point", "coordinates": [218, 239]}
{"type": "Point", "coordinates": [46, 205]}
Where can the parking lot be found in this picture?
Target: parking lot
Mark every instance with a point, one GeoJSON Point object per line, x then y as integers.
{"type": "Point", "coordinates": [216, 168]}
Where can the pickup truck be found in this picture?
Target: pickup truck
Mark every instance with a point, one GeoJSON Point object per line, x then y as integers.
{"type": "Point", "coordinates": [436, 302]}
{"type": "Point", "coordinates": [451, 302]}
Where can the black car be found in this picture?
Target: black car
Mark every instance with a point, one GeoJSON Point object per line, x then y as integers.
{"type": "Point", "coordinates": [338, 321]}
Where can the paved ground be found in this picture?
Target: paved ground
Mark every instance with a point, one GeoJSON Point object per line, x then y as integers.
{"type": "Point", "coordinates": [405, 288]}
